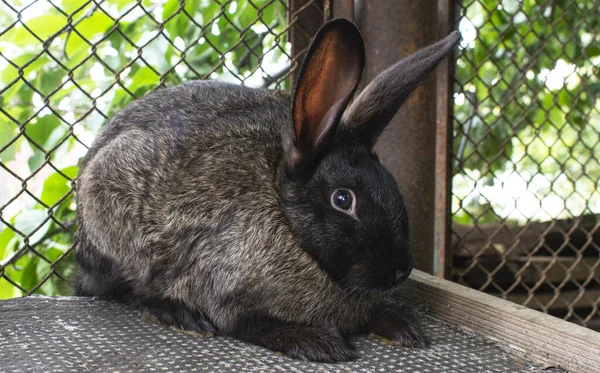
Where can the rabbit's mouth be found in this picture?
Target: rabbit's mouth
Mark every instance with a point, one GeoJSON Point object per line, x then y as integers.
{"type": "Point", "coordinates": [361, 279]}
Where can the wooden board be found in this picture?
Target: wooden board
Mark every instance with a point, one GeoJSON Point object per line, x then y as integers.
{"type": "Point", "coordinates": [528, 270]}
{"type": "Point", "coordinates": [552, 302]}
{"type": "Point", "coordinates": [510, 241]}
{"type": "Point", "coordinates": [535, 336]}
{"type": "Point", "coordinates": [556, 269]}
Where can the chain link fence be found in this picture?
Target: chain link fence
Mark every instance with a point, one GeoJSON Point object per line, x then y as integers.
{"type": "Point", "coordinates": [68, 65]}
{"type": "Point", "coordinates": [526, 154]}
{"type": "Point", "coordinates": [526, 147]}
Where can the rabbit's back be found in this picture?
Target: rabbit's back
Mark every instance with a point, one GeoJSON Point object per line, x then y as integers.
{"type": "Point", "coordinates": [198, 110]}
{"type": "Point", "coordinates": [173, 172]}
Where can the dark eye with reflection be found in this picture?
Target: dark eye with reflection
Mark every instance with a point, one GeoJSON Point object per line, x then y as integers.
{"type": "Point", "coordinates": [343, 200]}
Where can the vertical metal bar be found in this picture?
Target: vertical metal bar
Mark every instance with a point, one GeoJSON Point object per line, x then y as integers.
{"type": "Point", "coordinates": [443, 167]}
{"type": "Point", "coordinates": [305, 17]}
{"type": "Point", "coordinates": [393, 30]}
{"type": "Point", "coordinates": [343, 9]}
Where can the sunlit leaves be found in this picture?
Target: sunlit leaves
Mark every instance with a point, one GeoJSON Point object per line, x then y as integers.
{"type": "Point", "coordinates": [83, 35]}
{"type": "Point", "coordinates": [39, 28]}
{"type": "Point", "coordinates": [527, 95]}
{"type": "Point", "coordinates": [58, 185]}
{"type": "Point", "coordinates": [62, 73]}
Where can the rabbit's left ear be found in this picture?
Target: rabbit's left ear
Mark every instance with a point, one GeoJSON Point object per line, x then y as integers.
{"type": "Point", "coordinates": [328, 78]}
{"type": "Point", "coordinates": [377, 104]}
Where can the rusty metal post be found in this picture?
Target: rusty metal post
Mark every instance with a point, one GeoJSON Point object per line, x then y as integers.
{"type": "Point", "coordinates": [342, 9]}
{"type": "Point", "coordinates": [393, 30]}
{"type": "Point", "coordinates": [305, 18]}
{"type": "Point", "coordinates": [447, 20]}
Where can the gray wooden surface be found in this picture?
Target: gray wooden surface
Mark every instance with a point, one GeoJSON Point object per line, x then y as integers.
{"type": "Point", "coordinates": [40, 334]}
{"type": "Point", "coordinates": [540, 338]}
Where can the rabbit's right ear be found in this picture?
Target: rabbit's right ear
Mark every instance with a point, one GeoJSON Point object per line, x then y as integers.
{"type": "Point", "coordinates": [377, 104]}
{"type": "Point", "coordinates": [327, 80]}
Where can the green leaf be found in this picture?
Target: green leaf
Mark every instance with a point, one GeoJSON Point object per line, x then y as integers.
{"type": "Point", "coordinates": [245, 15]}
{"type": "Point", "coordinates": [565, 99]}
{"type": "Point", "coordinates": [179, 23]}
{"type": "Point", "coordinates": [49, 81]}
{"type": "Point", "coordinates": [42, 26]}
{"type": "Point", "coordinates": [70, 6]}
{"type": "Point", "coordinates": [7, 290]}
{"type": "Point", "coordinates": [8, 132]}
{"type": "Point", "coordinates": [170, 7]}
{"type": "Point", "coordinates": [547, 99]}
{"type": "Point", "coordinates": [8, 241]}
{"type": "Point", "coordinates": [144, 78]}
{"type": "Point", "coordinates": [53, 253]}
{"type": "Point", "coordinates": [36, 160]}
{"type": "Point", "coordinates": [7, 96]}
{"type": "Point", "coordinates": [89, 27]}
{"type": "Point", "coordinates": [25, 96]}
{"type": "Point", "coordinates": [480, 52]}
{"type": "Point", "coordinates": [77, 59]}
{"type": "Point", "coordinates": [56, 186]}
{"type": "Point", "coordinates": [40, 130]}
{"type": "Point", "coordinates": [28, 222]}
{"type": "Point", "coordinates": [29, 276]}
{"type": "Point", "coordinates": [592, 51]}
{"type": "Point", "coordinates": [556, 117]}
{"type": "Point", "coordinates": [30, 60]}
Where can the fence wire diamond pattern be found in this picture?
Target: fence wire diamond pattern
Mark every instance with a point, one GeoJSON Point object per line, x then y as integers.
{"type": "Point", "coordinates": [68, 65]}
{"type": "Point", "coordinates": [526, 190]}
{"type": "Point", "coordinates": [526, 162]}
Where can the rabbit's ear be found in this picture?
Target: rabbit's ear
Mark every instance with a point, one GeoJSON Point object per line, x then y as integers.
{"type": "Point", "coordinates": [327, 80]}
{"type": "Point", "coordinates": [377, 104]}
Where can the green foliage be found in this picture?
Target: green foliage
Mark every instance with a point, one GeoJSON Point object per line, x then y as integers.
{"type": "Point", "coordinates": [77, 62]}
{"type": "Point", "coordinates": [526, 105]}
{"type": "Point", "coordinates": [69, 65]}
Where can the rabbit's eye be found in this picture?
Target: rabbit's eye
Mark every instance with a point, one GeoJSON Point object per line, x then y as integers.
{"type": "Point", "coordinates": [344, 200]}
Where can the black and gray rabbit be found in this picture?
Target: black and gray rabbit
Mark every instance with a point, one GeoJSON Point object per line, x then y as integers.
{"type": "Point", "coordinates": [221, 208]}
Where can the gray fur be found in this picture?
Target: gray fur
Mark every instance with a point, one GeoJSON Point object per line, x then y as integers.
{"type": "Point", "coordinates": [148, 182]}
{"type": "Point", "coordinates": [186, 207]}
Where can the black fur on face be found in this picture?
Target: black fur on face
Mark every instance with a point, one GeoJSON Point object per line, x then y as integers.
{"type": "Point", "coordinates": [368, 251]}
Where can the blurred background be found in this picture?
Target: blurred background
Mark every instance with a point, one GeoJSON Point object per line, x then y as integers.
{"type": "Point", "coordinates": [523, 116]}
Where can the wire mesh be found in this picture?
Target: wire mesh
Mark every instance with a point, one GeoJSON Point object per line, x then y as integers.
{"type": "Point", "coordinates": [68, 65]}
{"type": "Point", "coordinates": [526, 154]}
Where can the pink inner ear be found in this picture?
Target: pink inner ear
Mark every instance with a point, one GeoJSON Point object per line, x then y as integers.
{"type": "Point", "coordinates": [323, 94]}
{"type": "Point", "coordinates": [328, 78]}
{"type": "Point", "coordinates": [335, 79]}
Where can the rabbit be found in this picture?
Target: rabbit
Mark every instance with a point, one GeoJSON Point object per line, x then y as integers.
{"type": "Point", "coordinates": [222, 209]}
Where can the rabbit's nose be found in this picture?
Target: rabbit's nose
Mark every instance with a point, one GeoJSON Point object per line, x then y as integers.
{"type": "Point", "coordinates": [403, 269]}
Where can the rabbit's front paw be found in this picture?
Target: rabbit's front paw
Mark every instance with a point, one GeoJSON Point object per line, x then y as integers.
{"type": "Point", "coordinates": [176, 315]}
{"type": "Point", "coordinates": [299, 341]}
{"type": "Point", "coordinates": [318, 344]}
{"type": "Point", "coordinates": [398, 325]}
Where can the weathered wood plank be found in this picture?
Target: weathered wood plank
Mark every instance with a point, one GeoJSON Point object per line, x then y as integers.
{"type": "Point", "coordinates": [557, 269]}
{"type": "Point", "coordinates": [493, 240]}
{"type": "Point", "coordinates": [544, 339]}
{"type": "Point", "coordinates": [510, 241]}
{"type": "Point", "coordinates": [544, 301]}
{"type": "Point", "coordinates": [530, 270]}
